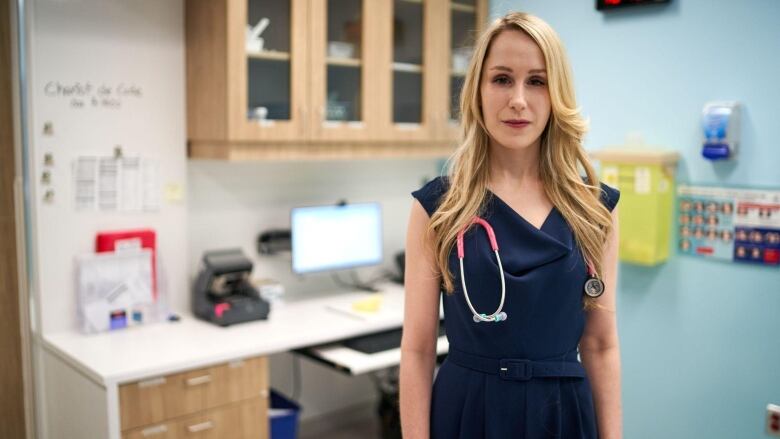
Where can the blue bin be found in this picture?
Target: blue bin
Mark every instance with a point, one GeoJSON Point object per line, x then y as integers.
{"type": "Point", "coordinates": [284, 417]}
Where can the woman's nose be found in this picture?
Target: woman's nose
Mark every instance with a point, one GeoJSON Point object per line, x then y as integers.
{"type": "Point", "coordinates": [517, 100]}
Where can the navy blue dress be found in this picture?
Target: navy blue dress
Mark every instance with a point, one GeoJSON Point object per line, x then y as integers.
{"type": "Point", "coordinates": [542, 391]}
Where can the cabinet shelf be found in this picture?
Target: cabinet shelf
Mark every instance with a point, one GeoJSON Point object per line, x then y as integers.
{"type": "Point", "coordinates": [269, 55]}
{"type": "Point", "coordinates": [344, 62]}
{"type": "Point", "coordinates": [407, 67]}
{"type": "Point", "coordinates": [463, 8]}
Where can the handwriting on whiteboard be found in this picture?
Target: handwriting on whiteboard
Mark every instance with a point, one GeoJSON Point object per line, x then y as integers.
{"type": "Point", "coordinates": [90, 95]}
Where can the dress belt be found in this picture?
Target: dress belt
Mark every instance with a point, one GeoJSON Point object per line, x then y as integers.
{"type": "Point", "coordinates": [515, 369]}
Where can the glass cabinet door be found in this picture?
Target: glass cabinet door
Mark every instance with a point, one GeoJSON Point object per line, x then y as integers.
{"type": "Point", "coordinates": [340, 68]}
{"type": "Point", "coordinates": [268, 60]}
{"type": "Point", "coordinates": [344, 61]}
{"type": "Point", "coordinates": [272, 56]}
{"type": "Point", "coordinates": [345, 68]}
{"type": "Point", "coordinates": [408, 61]}
{"type": "Point", "coordinates": [463, 23]}
{"type": "Point", "coordinates": [467, 19]}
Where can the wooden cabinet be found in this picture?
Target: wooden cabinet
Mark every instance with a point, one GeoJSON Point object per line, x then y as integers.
{"type": "Point", "coordinates": [227, 400]}
{"type": "Point", "coordinates": [324, 78]}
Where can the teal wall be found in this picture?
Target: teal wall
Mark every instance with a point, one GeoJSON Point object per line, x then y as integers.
{"type": "Point", "coordinates": [700, 340]}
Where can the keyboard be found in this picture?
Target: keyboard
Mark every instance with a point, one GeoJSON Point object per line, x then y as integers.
{"type": "Point", "coordinates": [380, 341]}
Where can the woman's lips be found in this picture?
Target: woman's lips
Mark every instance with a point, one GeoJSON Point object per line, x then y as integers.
{"type": "Point", "coordinates": [516, 123]}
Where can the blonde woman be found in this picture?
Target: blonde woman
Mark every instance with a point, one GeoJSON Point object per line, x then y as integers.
{"type": "Point", "coordinates": [532, 326]}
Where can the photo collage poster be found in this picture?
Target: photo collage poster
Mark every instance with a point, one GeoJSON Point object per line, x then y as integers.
{"type": "Point", "coordinates": [731, 224]}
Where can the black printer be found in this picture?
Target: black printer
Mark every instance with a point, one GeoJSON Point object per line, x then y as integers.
{"type": "Point", "coordinates": [222, 293]}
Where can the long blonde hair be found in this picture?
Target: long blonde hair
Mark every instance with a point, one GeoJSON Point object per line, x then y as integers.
{"type": "Point", "coordinates": [561, 155]}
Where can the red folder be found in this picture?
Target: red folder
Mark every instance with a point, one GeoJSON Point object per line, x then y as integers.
{"type": "Point", "coordinates": [119, 240]}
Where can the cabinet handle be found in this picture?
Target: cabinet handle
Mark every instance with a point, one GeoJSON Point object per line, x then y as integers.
{"type": "Point", "coordinates": [203, 379]}
{"type": "Point", "coordinates": [152, 382]}
{"type": "Point", "coordinates": [200, 427]}
{"type": "Point", "coordinates": [151, 431]}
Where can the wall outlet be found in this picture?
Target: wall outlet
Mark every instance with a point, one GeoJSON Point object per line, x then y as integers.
{"type": "Point", "coordinates": [773, 420]}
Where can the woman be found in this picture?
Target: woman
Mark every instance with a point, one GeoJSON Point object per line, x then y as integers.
{"type": "Point", "coordinates": [513, 368]}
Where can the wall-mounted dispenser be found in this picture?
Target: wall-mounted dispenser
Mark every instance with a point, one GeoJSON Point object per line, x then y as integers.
{"type": "Point", "coordinates": [720, 125]}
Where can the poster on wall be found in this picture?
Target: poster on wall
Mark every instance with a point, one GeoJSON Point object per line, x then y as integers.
{"type": "Point", "coordinates": [741, 225]}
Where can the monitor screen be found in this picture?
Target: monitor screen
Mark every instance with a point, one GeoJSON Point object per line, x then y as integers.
{"type": "Point", "coordinates": [335, 237]}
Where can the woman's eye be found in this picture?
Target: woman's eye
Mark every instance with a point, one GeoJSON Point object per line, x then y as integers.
{"type": "Point", "coordinates": [501, 80]}
{"type": "Point", "coordinates": [537, 81]}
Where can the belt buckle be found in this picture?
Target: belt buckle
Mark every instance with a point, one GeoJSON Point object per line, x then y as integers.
{"type": "Point", "coordinates": [515, 370]}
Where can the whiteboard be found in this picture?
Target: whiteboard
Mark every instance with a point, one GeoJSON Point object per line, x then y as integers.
{"type": "Point", "coordinates": [102, 74]}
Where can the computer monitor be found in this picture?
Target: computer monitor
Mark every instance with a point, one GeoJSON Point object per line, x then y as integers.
{"type": "Point", "coordinates": [335, 237]}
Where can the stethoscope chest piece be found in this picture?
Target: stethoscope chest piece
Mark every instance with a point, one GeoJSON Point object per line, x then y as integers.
{"type": "Point", "coordinates": [500, 317]}
{"type": "Point", "coordinates": [594, 287]}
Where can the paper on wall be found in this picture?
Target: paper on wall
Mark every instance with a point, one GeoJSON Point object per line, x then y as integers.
{"type": "Point", "coordinates": [109, 184]}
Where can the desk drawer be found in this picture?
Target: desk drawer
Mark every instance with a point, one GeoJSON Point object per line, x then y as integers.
{"type": "Point", "coordinates": [158, 399]}
{"type": "Point", "coordinates": [237, 381]}
{"type": "Point", "coordinates": [247, 419]}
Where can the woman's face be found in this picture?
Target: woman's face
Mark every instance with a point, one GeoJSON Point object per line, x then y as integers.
{"type": "Point", "coordinates": [514, 94]}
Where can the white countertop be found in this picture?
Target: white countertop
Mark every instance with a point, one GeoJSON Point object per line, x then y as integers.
{"type": "Point", "coordinates": [141, 352]}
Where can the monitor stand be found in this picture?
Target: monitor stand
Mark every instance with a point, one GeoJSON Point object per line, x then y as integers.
{"type": "Point", "coordinates": [356, 283]}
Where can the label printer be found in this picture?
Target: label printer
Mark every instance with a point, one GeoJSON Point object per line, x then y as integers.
{"type": "Point", "coordinates": [222, 293]}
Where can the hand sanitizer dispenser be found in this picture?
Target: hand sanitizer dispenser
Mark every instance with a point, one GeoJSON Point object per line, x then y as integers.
{"type": "Point", "coordinates": [720, 123]}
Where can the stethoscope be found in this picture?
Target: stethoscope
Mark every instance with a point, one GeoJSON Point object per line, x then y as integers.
{"type": "Point", "coordinates": [594, 287]}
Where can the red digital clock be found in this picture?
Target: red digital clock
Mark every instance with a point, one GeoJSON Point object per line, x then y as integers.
{"type": "Point", "coordinates": [613, 4]}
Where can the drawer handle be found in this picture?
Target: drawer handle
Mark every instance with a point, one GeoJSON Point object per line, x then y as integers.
{"type": "Point", "coordinates": [151, 431]}
{"type": "Point", "coordinates": [203, 379]}
{"type": "Point", "coordinates": [152, 382]}
{"type": "Point", "coordinates": [200, 427]}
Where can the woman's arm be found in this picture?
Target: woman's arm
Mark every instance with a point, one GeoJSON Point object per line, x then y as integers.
{"type": "Point", "coordinates": [600, 350]}
{"type": "Point", "coordinates": [421, 321]}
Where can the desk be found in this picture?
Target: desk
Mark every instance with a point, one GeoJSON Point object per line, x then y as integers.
{"type": "Point", "coordinates": [93, 366]}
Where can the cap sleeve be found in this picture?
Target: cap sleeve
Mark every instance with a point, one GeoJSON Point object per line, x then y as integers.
{"type": "Point", "coordinates": [430, 194]}
{"type": "Point", "coordinates": [609, 196]}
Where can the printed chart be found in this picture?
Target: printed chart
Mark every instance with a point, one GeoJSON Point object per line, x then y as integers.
{"type": "Point", "coordinates": [730, 224]}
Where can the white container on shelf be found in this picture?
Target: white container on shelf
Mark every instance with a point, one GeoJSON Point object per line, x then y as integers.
{"type": "Point", "coordinates": [340, 49]}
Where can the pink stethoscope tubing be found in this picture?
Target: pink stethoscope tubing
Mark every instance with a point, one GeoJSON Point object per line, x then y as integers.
{"type": "Point", "coordinates": [498, 315]}
{"type": "Point", "coordinates": [594, 287]}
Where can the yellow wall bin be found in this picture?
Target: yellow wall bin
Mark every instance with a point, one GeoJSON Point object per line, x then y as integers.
{"type": "Point", "coordinates": [645, 178]}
